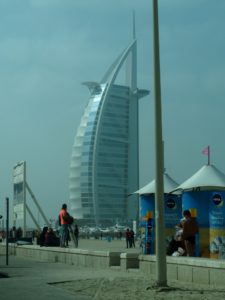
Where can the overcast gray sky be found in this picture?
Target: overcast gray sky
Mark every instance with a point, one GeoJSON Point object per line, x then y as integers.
{"type": "Point", "coordinates": [49, 47]}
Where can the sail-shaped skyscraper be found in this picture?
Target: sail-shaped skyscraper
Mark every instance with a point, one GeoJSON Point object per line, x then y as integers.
{"type": "Point", "coordinates": [104, 166]}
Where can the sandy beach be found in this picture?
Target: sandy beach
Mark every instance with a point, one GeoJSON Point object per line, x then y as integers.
{"type": "Point", "coordinates": [136, 288]}
{"type": "Point", "coordinates": [133, 286]}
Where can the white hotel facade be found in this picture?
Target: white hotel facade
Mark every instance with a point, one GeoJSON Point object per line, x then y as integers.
{"type": "Point", "coordinates": [104, 166]}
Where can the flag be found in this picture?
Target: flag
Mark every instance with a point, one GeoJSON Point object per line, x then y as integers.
{"type": "Point", "coordinates": [205, 151]}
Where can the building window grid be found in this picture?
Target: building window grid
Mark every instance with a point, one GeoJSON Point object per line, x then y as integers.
{"type": "Point", "coordinates": [121, 160]}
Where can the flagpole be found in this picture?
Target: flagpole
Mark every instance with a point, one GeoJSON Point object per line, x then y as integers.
{"type": "Point", "coordinates": [206, 151]}
{"type": "Point", "coordinates": [208, 155]}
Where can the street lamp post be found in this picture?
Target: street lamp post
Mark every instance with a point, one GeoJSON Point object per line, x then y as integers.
{"type": "Point", "coordinates": [161, 270]}
{"type": "Point", "coordinates": [7, 230]}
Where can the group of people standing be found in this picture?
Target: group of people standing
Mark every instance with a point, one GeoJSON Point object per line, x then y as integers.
{"type": "Point", "coordinates": [67, 231]}
{"type": "Point", "coordinates": [130, 241]}
{"type": "Point", "coordinates": [188, 228]}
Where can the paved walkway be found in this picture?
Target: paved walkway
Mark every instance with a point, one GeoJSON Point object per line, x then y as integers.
{"type": "Point", "coordinates": [33, 280]}
{"type": "Point", "coordinates": [113, 245]}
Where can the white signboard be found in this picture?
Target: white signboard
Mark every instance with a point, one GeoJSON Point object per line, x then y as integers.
{"type": "Point", "coordinates": [19, 190]}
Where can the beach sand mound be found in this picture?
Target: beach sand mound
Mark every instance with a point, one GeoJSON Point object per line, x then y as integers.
{"type": "Point", "coordinates": [137, 289]}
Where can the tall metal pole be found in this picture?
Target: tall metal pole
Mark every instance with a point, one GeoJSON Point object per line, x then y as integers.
{"type": "Point", "coordinates": [161, 270]}
{"type": "Point", "coordinates": [7, 230]}
{"type": "Point", "coordinates": [24, 201]}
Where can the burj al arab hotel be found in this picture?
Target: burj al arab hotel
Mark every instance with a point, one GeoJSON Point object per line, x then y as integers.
{"type": "Point", "coordinates": [104, 167]}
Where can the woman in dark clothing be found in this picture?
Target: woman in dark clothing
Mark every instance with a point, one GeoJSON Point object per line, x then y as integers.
{"type": "Point", "coordinates": [50, 238]}
{"type": "Point", "coordinates": [42, 236]}
{"type": "Point", "coordinates": [128, 238]}
{"type": "Point", "coordinates": [76, 235]}
{"type": "Point", "coordinates": [132, 241]}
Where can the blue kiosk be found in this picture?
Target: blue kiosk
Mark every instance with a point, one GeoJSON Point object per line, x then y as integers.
{"type": "Point", "coordinates": [203, 194]}
{"type": "Point", "coordinates": [173, 211]}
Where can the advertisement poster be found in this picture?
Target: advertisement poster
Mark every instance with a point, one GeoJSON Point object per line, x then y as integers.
{"type": "Point", "coordinates": [217, 225]}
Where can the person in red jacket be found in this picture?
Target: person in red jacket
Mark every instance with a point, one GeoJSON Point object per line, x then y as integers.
{"type": "Point", "coordinates": [64, 223]}
{"type": "Point", "coordinates": [128, 238]}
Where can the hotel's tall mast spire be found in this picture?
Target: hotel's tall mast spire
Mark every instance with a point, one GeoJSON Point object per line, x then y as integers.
{"type": "Point", "coordinates": [134, 59]}
{"type": "Point", "coordinates": [131, 64]}
{"type": "Point", "coordinates": [134, 29]}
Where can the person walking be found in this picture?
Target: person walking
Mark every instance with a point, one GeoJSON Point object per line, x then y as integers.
{"type": "Point", "coordinates": [132, 240]}
{"type": "Point", "coordinates": [128, 238]}
{"type": "Point", "coordinates": [76, 235]}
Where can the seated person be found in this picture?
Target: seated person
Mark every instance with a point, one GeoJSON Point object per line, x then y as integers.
{"type": "Point", "coordinates": [42, 236]}
{"type": "Point", "coordinates": [50, 238]}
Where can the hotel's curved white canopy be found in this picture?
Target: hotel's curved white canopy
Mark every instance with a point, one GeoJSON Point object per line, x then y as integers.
{"type": "Point", "coordinates": [206, 178]}
{"type": "Point", "coordinates": [169, 185]}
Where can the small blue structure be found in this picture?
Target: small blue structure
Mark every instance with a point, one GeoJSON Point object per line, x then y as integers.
{"type": "Point", "coordinates": [173, 211]}
{"type": "Point", "coordinates": [203, 195]}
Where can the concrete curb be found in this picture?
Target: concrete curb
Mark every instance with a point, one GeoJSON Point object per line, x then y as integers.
{"type": "Point", "coordinates": [183, 269]}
